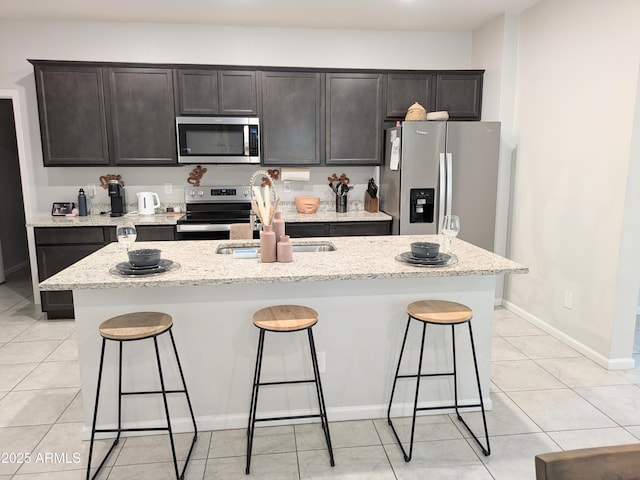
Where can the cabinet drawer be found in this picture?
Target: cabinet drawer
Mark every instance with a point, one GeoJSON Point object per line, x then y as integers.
{"type": "Point", "coordinates": [354, 229]}
{"type": "Point", "coordinates": [312, 229]}
{"type": "Point", "coordinates": [155, 233]}
{"type": "Point", "coordinates": [69, 235]}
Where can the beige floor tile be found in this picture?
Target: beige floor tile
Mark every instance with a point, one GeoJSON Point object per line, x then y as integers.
{"type": "Point", "coordinates": [34, 407]}
{"type": "Point", "coordinates": [27, 352]}
{"type": "Point", "coordinates": [66, 352]}
{"type": "Point", "coordinates": [442, 460]}
{"type": "Point", "coordinates": [522, 375]}
{"type": "Point", "coordinates": [619, 402]}
{"type": "Point", "coordinates": [310, 436]}
{"type": "Point", "coordinates": [560, 409]}
{"type": "Point", "coordinates": [428, 428]}
{"type": "Point", "coordinates": [502, 350]}
{"type": "Point", "coordinates": [47, 330]}
{"type": "Point", "coordinates": [16, 445]}
{"type": "Point", "coordinates": [514, 326]}
{"type": "Point", "coordinates": [504, 418]}
{"type": "Point", "coordinates": [580, 372]}
{"type": "Point", "coordinates": [541, 346]}
{"type": "Point", "coordinates": [52, 375]}
{"type": "Point", "coordinates": [595, 437]}
{"type": "Point", "coordinates": [357, 462]}
{"type": "Point", "coordinates": [157, 471]}
{"type": "Point", "coordinates": [155, 448]}
{"type": "Point", "coordinates": [12, 375]}
{"type": "Point", "coordinates": [512, 456]}
{"type": "Point", "coordinates": [11, 331]}
{"type": "Point", "coordinates": [279, 466]}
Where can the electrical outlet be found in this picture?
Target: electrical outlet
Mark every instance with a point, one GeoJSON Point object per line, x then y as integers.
{"type": "Point", "coordinates": [91, 190]}
{"type": "Point", "coordinates": [286, 186]}
{"type": "Point", "coordinates": [168, 188]}
{"type": "Point", "coordinates": [568, 299]}
{"type": "Point", "coordinates": [322, 361]}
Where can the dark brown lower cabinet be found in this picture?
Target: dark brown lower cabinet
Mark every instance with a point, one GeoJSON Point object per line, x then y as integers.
{"type": "Point", "coordinates": [338, 229]}
{"type": "Point", "coordinates": [59, 247]}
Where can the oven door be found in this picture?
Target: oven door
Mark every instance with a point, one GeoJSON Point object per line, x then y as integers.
{"type": "Point", "coordinates": [206, 231]}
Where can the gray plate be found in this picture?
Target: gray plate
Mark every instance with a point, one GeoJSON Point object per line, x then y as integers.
{"type": "Point", "coordinates": [442, 260]}
{"type": "Point", "coordinates": [126, 269]}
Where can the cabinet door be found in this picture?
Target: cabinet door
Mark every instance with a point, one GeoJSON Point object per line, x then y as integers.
{"type": "Point", "coordinates": [460, 95]}
{"type": "Point", "coordinates": [197, 92]}
{"type": "Point", "coordinates": [403, 90]}
{"type": "Point", "coordinates": [237, 92]}
{"type": "Point", "coordinates": [353, 118]}
{"type": "Point", "coordinates": [291, 118]}
{"type": "Point", "coordinates": [73, 125]}
{"type": "Point", "coordinates": [143, 116]}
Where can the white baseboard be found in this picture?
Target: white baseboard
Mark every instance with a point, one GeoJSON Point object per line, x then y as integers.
{"type": "Point", "coordinates": [608, 363]}
{"type": "Point", "coordinates": [16, 268]}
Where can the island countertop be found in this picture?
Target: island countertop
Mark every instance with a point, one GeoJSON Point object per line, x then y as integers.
{"type": "Point", "coordinates": [354, 258]}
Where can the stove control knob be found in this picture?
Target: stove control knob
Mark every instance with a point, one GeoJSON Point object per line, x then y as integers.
{"type": "Point", "coordinates": [192, 193]}
{"type": "Point", "coordinates": [245, 193]}
{"type": "Point", "coordinates": [201, 193]}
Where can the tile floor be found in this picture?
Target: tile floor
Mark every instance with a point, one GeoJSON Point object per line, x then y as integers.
{"type": "Point", "coordinates": [546, 397]}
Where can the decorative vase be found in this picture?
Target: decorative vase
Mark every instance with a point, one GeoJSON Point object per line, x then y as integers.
{"type": "Point", "coordinates": [285, 249]}
{"type": "Point", "coordinates": [278, 225]}
{"type": "Point", "coordinates": [267, 244]}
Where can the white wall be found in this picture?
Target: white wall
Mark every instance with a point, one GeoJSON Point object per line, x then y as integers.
{"type": "Point", "coordinates": [576, 100]}
{"type": "Point", "coordinates": [20, 40]}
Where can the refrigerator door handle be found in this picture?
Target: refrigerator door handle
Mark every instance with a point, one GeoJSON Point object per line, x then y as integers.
{"type": "Point", "coordinates": [449, 182]}
{"type": "Point", "coordinates": [441, 189]}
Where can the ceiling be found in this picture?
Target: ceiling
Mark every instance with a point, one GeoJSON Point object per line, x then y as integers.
{"type": "Point", "coordinates": [420, 15]}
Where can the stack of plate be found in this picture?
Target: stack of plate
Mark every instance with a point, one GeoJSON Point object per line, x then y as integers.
{"type": "Point", "coordinates": [441, 259]}
{"type": "Point", "coordinates": [126, 268]}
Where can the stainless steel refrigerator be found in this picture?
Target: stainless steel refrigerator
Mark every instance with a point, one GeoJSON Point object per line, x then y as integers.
{"type": "Point", "coordinates": [432, 169]}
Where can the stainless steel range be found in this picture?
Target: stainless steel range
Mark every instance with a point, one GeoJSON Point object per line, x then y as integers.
{"type": "Point", "coordinates": [212, 209]}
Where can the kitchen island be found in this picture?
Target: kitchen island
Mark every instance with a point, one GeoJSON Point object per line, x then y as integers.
{"type": "Point", "coordinates": [360, 291]}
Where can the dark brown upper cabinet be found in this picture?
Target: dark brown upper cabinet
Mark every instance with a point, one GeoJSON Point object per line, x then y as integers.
{"type": "Point", "coordinates": [142, 116]}
{"type": "Point", "coordinates": [404, 89]}
{"type": "Point", "coordinates": [353, 118]}
{"type": "Point", "coordinates": [216, 92]}
{"type": "Point", "coordinates": [73, 122]}
{"type": "Point", "coordinates": [292, 114]}
{"type": "Point", "coordinates": [460, 94]}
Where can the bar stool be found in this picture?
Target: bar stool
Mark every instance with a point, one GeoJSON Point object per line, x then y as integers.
{"type": "Point", "coordinates": [286, 318]}
{"type": "Point", "coordinates": [128, 328]}
{"type": "Point", "coordinates": [439, 312]}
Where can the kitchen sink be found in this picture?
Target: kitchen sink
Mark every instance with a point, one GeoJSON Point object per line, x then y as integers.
{"type": "Point", "coordinates": [301, 247]}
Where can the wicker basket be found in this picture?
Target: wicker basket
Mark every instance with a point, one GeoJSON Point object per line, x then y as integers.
{"type": "Point", "coordinates": [416, 112]}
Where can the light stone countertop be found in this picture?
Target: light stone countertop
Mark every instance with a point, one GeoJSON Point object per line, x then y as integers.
{"type": "Point", "coordinates": [354, 258]}
{"type": "Point", "coordinates": [171, 219]}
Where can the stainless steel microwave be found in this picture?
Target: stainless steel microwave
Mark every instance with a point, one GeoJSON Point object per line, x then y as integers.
{"type": "Point", "coordinates": [218, 139]}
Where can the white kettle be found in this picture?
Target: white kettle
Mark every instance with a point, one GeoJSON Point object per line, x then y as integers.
{"type": "Point", "coordinates": [147, 203]}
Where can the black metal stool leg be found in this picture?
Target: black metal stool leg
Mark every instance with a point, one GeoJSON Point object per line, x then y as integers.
{"type": "Point", "coordinates": [186, 393]}
{"type": "Point", "coordinates": [407, 456]}
{"type": "Point", "coordinates": [323, 408]}
{"type": "Point", "coordinates": [395, 378]}
{"type": "Point", "coordinates": [166, 409]}
{"type": "Point", "coordinates": [254, 400]}
{"type": "Point", "coordinates": [486, 451]}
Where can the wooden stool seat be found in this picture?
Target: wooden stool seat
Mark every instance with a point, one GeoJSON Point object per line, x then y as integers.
{"type": "Point", "coordinates": [136, 326]}
{"type": "Point", "coordinates": [441, 312]}
{"type": "Point", "coordinates": [285, 318]}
